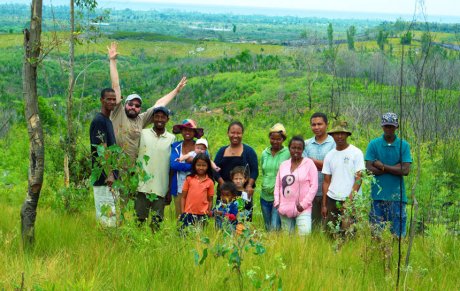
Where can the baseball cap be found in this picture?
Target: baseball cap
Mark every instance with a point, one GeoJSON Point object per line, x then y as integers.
{"type": "Point", "coordinates": [390, 118]}
{"type": "Point", "coordinates": [202, 141]}
{"type": "Point", "coordinates": [161, 109]}
{"type": "Point", "coordinates": [132, 97]}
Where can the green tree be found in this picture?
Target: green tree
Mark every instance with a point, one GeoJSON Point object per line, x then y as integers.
{"type": "Point", "coordinates": [406, 39]}
{"type": "Point", "coordinates": [400, 25]}
{"type": "Point", "coordinates": [382, 39]}
{"type": "Point", "coordinates": [330, 35]}
{"type": "Point", "coordinates": [304, 34]}
{"type": "Point", "coordinates": [426, 42]}
{"type": "Point", "coordinates": [351, 31]}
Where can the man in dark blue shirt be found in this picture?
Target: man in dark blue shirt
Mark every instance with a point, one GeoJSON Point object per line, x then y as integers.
{"type": "Point", "coordinates": [388, 158]}
{"type": "Point", "coordinates": [101, 132]}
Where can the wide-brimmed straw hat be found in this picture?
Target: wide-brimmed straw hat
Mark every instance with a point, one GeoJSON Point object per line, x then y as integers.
{"type": "Point", "coordinates": [188, 123]}
{"type": "Point", "coordinates": [341, 126]}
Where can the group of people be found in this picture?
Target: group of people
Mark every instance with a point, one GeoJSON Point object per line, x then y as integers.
{"type": "Point", "coordinates": [303, 184]}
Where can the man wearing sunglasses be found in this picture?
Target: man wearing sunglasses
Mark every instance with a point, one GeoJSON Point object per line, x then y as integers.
{"type": "Point", "coordinates": [128, 123]}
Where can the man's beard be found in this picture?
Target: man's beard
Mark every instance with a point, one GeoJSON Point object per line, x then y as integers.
{"type": "Point", "coordinates": [131, 113]}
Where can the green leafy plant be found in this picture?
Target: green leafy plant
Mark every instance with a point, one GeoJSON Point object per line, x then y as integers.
{"type": "Point", "coordinates": [72, 199]}
{"type": "Point", "coordinates": [234, 249]}
{"type": "Point", "coordinates": [271, 281]}
{"type": "Point", "coordinates": [353, 218]}
{"type": "Point", "coordinates": [113, 159]}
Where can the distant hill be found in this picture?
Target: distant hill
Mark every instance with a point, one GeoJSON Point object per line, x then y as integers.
{"type": "Point", "coordinates": [239, 10]}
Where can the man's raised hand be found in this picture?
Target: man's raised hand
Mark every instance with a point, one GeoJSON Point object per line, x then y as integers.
{"type": "Point", "coordinates": [113, 51]}
{"type": "Point", "coordinates": [181, 84]}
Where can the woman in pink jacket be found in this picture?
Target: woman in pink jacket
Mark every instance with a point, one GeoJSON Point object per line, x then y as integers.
{"type": "Point", "coordinates": [295, 188]}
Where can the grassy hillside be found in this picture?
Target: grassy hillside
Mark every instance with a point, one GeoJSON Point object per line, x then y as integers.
{"type": "Point", "coordinates": [259, 85]}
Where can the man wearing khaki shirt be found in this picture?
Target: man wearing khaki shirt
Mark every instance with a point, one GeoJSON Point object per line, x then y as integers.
{"type": "Point", "coordinates": [127, 120]}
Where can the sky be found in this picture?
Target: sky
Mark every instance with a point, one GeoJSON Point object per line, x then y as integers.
{"type": "Point", "coordinates": [432, 7]}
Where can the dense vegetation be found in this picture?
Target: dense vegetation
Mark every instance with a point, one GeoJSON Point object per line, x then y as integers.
{"type": "Point", "coordinates": [260, 84]}
{"type": "Point", "coordinates": [186, 24]}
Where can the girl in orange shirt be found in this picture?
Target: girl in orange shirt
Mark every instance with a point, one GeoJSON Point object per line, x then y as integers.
{"type": "Point", "coordinates": [197, 192]}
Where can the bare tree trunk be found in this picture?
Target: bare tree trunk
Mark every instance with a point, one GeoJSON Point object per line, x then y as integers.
{"type": "Point", "coordinates": [414, 211]}
{"type": "Point", "coordinates": [310, 82]}
{"type": "Point", "coordinates": [32, 48]}
{"type": "Point", "coordinates": [435, 91]}
{"type": "Point", "coordinates": [69, 159]}
{"type": "Point", "coordinates": [382, 79]}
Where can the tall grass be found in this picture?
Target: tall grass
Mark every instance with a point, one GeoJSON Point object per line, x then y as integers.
{"type": "Point", "coordinates": [71, 252]}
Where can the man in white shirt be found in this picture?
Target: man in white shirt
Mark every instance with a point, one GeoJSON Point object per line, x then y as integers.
{"type": "Point", "coordinates": [342, 174]}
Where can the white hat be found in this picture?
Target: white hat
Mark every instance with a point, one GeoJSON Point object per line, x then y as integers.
{"type": "Point", "coordinates": [132, 97]}
{"type": "Point", "coordinates": [202, 141]}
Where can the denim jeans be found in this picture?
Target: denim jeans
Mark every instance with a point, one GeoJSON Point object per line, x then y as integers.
{"type": "Point", "coordinates": [271, 217]}
{"type": "Point", "coordinates": [188, 219]}
{"type": "Point", "coordinates": [389, 211]}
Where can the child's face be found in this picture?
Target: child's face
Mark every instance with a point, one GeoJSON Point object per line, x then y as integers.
{"type": "Point", "coordinates": [239, 180]}
{"type": "Point", "coordinates": [200, 148]}
{"type": "Point", "coordinates": [201, 167]}
{"type": "Point", "coordinates": [226, 196]}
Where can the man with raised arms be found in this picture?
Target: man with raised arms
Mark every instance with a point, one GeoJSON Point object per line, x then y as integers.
{"type": "Point", "coordinates": [128, 121]}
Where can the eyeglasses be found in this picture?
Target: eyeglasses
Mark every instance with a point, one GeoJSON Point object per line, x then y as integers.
{"type": "Point", "coordinates": [137, 105]}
